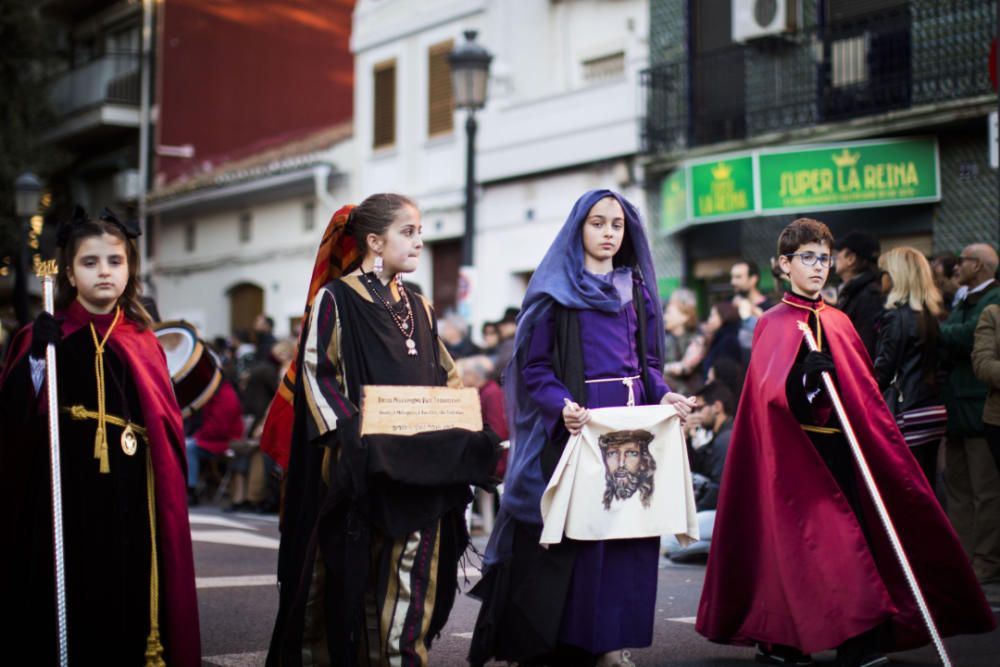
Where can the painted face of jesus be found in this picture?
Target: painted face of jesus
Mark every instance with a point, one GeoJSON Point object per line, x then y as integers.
{"type": "Point", "coordinates": [622, 462]}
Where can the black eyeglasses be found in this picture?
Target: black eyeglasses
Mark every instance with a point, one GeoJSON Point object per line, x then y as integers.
{"type": "Point", "coordinates": [810, 258]}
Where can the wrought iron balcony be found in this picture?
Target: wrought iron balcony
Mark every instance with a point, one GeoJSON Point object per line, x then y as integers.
{"type": "Point", "coordinates": [921, 54]}
{"type": "Point", "coordinates": [109, 79]}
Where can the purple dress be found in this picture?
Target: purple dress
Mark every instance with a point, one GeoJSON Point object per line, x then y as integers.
{"type": "Point", "coordinates": [613, 588]}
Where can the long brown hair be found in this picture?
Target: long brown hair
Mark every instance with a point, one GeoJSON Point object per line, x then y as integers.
{"type": "Point", "coordinates": [129, 301]}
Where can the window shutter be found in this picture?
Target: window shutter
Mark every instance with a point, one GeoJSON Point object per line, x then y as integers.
{"type": "Point", "coordinates": [440, 99]}
{"type": "Point", "coordinates": [385, 104]}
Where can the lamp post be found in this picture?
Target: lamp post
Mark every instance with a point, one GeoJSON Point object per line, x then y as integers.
{"type": "Point", "coordinates": [470, 68]}
{"type": "Point", "coordinates": [27, 192]}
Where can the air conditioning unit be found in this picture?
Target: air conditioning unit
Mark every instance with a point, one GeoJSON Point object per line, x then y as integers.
{"type": "Point", "coordinates": [126, 185]}
{"type": "Point", "coordinates": [755, 19]}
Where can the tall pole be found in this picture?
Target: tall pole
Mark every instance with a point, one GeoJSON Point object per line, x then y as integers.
{"type": "Point", "coordinates": [22, 306]}
{"type": "Point", "coordinates": [55, 476]}
{"type": "Point", "coordinates": [876, 497]}
{"type": "Point", "coordinates": [470, 190]}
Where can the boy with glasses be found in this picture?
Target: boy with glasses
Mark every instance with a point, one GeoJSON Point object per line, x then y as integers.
{"type": "Point", "coordinates": [823, 574]}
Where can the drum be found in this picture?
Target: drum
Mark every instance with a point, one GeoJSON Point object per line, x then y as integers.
{"type": "Point", "coordinates": [194, 370]}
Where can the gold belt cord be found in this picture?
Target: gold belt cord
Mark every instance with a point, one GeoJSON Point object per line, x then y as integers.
{"type": "Point", "coordinates": [154, 649]}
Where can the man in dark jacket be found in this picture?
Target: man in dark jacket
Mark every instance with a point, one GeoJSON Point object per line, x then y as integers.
{"type": "Point", "coordinates": [714, 407]}
{"type": "Point", "coordinates": [971, 479]}
{"type": "Point", "coordinates": [861, 293]}
{"type": "Point", "coordinates": [714, 410]}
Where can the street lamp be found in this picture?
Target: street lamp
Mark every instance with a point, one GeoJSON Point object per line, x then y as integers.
{"type": "Point", "coordinates": [27, 192]}
{"type": "Point", "coordinates": [470, 69]}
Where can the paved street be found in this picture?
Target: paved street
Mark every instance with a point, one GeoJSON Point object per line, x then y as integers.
{"type": "Point", "coordinates": [235, 556]}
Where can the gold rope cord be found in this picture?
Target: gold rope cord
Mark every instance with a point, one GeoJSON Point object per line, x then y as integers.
{"type": "Point", "coordinates": [154, 649]}
{"type": "Point", "coordinates": [814, 311]}
{"type": "Point", "coordinates": [101, 437]}
{"type": "Point", "coordinates": [80, 413]}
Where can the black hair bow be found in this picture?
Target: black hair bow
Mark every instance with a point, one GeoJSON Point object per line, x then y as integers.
{"type": "Point", "coordinates": [79, 217]}
{"type": "Point", "coordinates": [130, 227]}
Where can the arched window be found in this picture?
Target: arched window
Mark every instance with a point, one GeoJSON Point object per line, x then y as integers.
{"type": "Point", "coordinates": [246, 302]}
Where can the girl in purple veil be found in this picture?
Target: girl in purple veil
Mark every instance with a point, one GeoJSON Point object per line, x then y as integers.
{"type": "Point", "coordinates": [589, 335]}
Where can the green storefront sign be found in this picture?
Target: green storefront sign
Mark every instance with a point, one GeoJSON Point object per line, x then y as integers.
{"type": "Point", "coordinates": [865, 174]}
{"type": "Point", "coordinates": [722, 188]}
{"type": "Point", "coordinates": [800, 180]}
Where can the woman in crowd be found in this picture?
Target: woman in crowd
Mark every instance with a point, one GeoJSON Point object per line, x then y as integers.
{"type": "Point", "coordinates": [685, 344]}
{"type": "Point", "coordinates": [589, 335]}
{"type": "Point", "coordinates": [723, 332]}
{"type": "Point", "coordinates": [906, 354]}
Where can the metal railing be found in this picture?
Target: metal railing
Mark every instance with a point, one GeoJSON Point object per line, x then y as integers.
{"type": "Point", "coordinates": [109, 79]}
{"type": "Point", "coordinates": [917, 55]}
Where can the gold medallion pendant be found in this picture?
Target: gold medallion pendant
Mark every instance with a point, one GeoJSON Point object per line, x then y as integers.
{"type": "Point", "coordinates": [129, 442]}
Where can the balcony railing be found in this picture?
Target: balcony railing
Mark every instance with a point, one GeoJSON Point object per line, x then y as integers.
{"type": "Point", "coordinates": [109, 79]}
{"type": "Point", "coordinates": [918, 55]}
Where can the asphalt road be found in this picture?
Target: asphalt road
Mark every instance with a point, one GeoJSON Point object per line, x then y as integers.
{"type": "Point", "coordinates": [236, 554]}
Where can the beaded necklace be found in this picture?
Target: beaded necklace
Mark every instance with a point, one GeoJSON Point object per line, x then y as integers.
{"type": "Point", "coordinates": [404, 324]}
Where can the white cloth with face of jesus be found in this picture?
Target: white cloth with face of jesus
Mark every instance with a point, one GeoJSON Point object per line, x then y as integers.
{"type": "Point", "coordinates": [625, 475]}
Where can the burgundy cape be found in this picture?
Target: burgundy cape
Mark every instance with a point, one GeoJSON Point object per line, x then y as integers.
{"type": "Point", "coordinates": [789, 563]}
{"type": "Point", "coordinates": [142, 355]}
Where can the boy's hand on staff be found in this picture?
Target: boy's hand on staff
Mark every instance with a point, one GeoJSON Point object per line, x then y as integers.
{"type": "Point", "coordinates": [45, 330]}
{"type": "Point", "coordinates": [574, 417]}
{"type": "Point", "coordinates": [814, 365]}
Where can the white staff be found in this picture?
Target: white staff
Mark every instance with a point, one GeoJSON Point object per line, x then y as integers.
{"type": "Point", "coordinates": [883, 514]}
{"type": "Point", "coordinates": [46, 270]}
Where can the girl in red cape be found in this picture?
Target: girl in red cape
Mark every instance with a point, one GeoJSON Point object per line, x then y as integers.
{"type": "Point", "coordinates": [799, 561]}
{"type": "Point", "coordinates": [130, 592]}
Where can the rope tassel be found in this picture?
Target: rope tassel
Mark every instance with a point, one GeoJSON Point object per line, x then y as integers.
{"type": "Point", "coordinates": [101, 449]}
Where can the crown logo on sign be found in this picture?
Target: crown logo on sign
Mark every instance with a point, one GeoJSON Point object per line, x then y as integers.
{"type": "Point", "coordinates": [845, 158]}
{"type": "Point", "coordinates": [721, 171]}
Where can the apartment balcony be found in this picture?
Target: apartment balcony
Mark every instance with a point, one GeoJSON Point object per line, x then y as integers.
{"type": "Point", "coordinates": [96, 101]}
{"type": "Point", "coordinates": [907, 66]}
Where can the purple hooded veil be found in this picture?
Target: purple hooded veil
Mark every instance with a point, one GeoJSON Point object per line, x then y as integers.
{"type": "Point", "coordinates": [560, 278]}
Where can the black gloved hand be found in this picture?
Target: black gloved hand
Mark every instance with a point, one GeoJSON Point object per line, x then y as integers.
{"type": "Point", "coordinates": [813, 366]}
{"type": "Point", "coordinates": [45, 330]}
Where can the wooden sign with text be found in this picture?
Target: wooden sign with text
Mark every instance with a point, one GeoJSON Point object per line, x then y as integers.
{"type": "Point", "coordinates": [401, 410]}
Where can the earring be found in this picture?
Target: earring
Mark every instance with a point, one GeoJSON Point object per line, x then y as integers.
{"type": "Point", "coordinates": [378, 266]}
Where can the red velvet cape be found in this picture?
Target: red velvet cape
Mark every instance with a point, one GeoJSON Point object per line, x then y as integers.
{"type": "Point", "coordinates": [789, 563]}
{"type": "Point", "coordinates": [142, 355]}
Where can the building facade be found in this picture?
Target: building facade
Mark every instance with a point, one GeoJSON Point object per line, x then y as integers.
{"type": "Point", "coordinates": [562, 116]}
{"type": "Point", "coordinates": [253, 153]}
{"type": "Point", "coordinates": [95, 89]}
{"type": "Point", "coordinates": [865, 114]}
{"type": "Point", "coordinates": [241, 239]}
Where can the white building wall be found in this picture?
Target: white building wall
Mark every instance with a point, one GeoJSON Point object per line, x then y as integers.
{"type": "Point", "coordinates": [548, 133]}
{"type": "Point", "coordinates": [278, 258]}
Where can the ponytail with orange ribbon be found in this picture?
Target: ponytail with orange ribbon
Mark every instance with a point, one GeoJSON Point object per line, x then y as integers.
{"type": "Point", "coordinates": [337, 252]}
